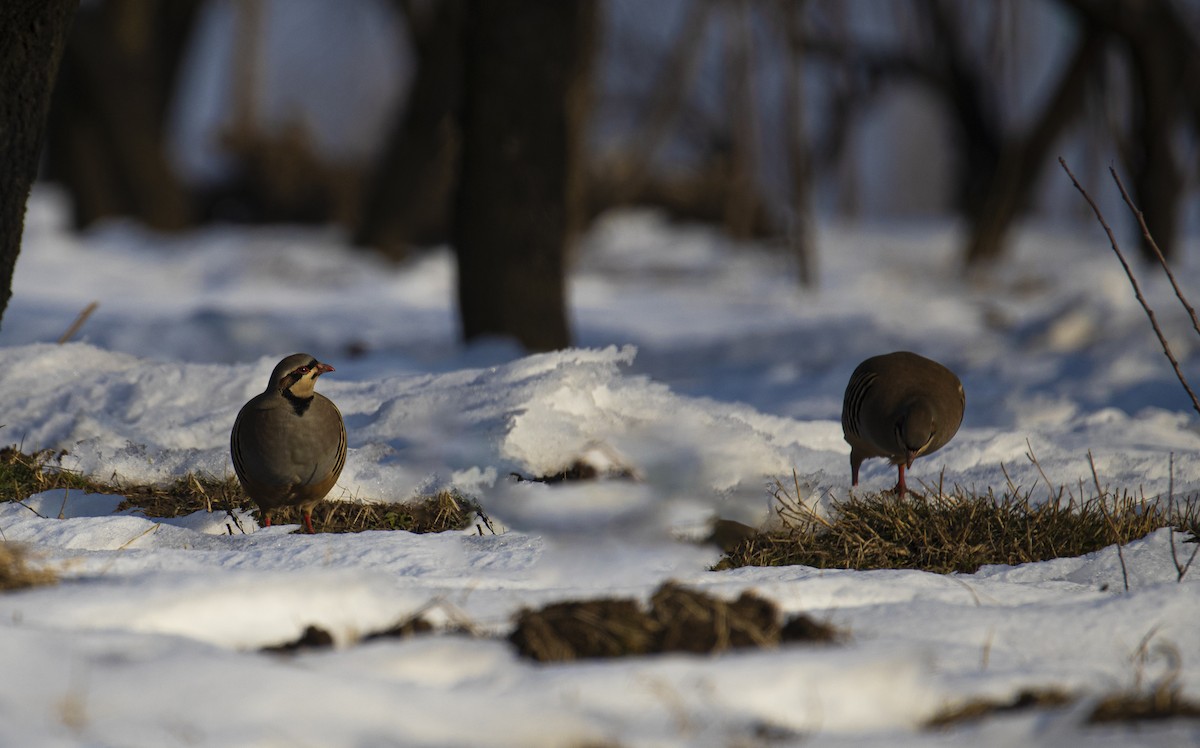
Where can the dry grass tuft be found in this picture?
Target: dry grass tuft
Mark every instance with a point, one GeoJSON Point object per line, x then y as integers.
{"type": "Point", "coordinates": [578, 470]}
{"type": "Point", "coordinates": [16, 573]}
{"type": "Point", "coordinates": [977, 709]}
{"type": "Point", "coordinates": [676, 620]}
{"type": "Point", "coordinates": [443, 511]}
{"type": "Point", "coordinates": [411, 626]}
{"type": "Point", "coordinates": [1165, 702]}
{"type": "Point", "coordinates": [186, 495]}
{"type": "Point", "coordinates": [958, 531]}
{"type": "Point", "coordinates": [313, 637]}
{"type": "Point", "coordinates": [26, 474]}
{"type": "Point", "coordinates": [22, 474]}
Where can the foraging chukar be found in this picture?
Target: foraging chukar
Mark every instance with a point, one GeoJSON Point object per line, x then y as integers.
{"type": "Point", "coordinates": [289, 443]}
{"type": "Point", "coordinates": [900, 406]}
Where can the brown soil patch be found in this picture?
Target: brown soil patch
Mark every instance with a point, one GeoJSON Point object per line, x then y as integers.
{"type": "Point", "coordinates": [677, 619]}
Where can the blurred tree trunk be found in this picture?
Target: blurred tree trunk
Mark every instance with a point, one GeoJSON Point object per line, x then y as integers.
{"type": "Point", "coordinates": [972, 96]}
{"type": "Point", "coordinates": [1158, 110]}
{"type": "Point", "coordinates": [632, 174]}
{"type": "Point", "coordinates": [32, 38]}
{"type": "Point", "coordinates": [1164, 57]}
{"type": "Point", "coordinates": [106, 130]}
{"type": "Point", "coordinates": [519, 198]}
{"type": "Point", "coordinates": [941, 58]}
{"type": "Point", "coordinates": [1022, 157]}
{"type": "Point", "coordinates": [409, 199]}
{"type": "Point", "coordinates": [720, 188]}
{"type": "Point", "coordinates": [789, 14]}
{"type": "Point", "coordinates": [741, 198]}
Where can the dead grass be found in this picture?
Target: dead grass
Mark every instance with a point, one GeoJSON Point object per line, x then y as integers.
{"type": "Point", "coordinates": [956, 531]}
{"type": "Point", "coordinates": [978, 709]}
{"type": "Point", "coordinates": [1164, 702]}
{"type": "Point", "coordinates": [443, 511]}
{"type": "Point", "coordinates": [17, 573]}
{"type": "Point", "coordinates": [183, 496]}
{"type": "Point", "coordinates": [313, 637]}
{"type": "Point", "coordinates": [22, 475]}
{"type": "Point", "coordinates": [677, 619]}
{"type": "Point", "coordinates": [1159, 703]}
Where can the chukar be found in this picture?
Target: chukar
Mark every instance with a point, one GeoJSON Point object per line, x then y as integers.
{"type": "Point", "coordinates": [900, 406]}
{"type": "Point", "coordinates": [289, 443]}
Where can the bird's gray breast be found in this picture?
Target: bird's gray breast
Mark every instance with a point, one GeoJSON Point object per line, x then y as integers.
{"type": "Point", "coordinates": [282, 445]}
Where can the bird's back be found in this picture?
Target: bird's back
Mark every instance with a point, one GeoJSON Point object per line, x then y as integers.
{"type": "Point", "coordinates": [880, 390]}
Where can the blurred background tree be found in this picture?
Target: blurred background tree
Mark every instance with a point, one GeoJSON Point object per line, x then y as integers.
{"type": "Point", "coordinates": [519, 199]}
{"type": "Point", "coordinates": [32, 39]}
{"type": "Point", "coordinates": [413, 123]}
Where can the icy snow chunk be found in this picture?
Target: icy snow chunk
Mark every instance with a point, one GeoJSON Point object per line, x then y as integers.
{"type": "Point", "coordinates": [65, 504]}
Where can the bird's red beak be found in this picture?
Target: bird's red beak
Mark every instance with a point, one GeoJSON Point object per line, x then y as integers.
{"type": "Point", "coordinates": [322, 368]}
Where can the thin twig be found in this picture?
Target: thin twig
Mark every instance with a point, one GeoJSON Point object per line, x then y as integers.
{"type": "Point", "coordinates": [152, 529]}
{"type": "Point", "coordinates": [78, 323]}
{"type": "Point", "coordinates": [1171, 513]}
{"type": "Point", "coordinates": [200, 489]}
{"type": "Point", "coordinates": [1049, 486]}
{"type": "Point", "coordinates": [1100, 494]}
{"type": "Point", "coordinates": [1141, 219]}
{"type": "Point", "coordinates": [1140, 655]}
{"type": "Point", "coordinates": [987, 649]}
{"type": "Point", "coordinates": [1181, 570]}
{"type": "Point", "coordinates": [1137, 291]}
{"type": "Point", "coordinates": [1012, 487]}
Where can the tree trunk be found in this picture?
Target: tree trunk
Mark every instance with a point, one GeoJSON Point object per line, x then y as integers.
{"type": "Point", "coordinates": [409, 200]}
{"type": "Point", "coordinates": [800, 234]}
{"type": "Point", "coordinates": [1023, 157]}
{"type": "Point", "coordinates": [32, 37]}
{"type": "Point", "coordinates": [106, 130]}
{"type": "Point", "coordinates": [519, 198]}
{"type": "Point", "coordinates": [740, 199]}
{"type": "Point", "coordinates": [1157, 179]}
{"type": "Point", "coordinates": [1165, 76]}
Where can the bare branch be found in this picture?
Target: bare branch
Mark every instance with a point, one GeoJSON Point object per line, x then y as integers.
{"type": "Point", "coordinates": [78, 323]}
{"type": "Point", "coordinates": [1153, 245]}
{"type": "Point", "coordinates": [1137, 291]}
{"type": "Point", "coordinates": [1112, 525]}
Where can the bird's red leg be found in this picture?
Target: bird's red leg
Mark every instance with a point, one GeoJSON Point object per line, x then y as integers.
{"type": "Point", "coordinates": [308, 523]}
{"type": "Point", "coordinates": [266, 519]}
{"type": "Point", "coordinates": [901, 489]}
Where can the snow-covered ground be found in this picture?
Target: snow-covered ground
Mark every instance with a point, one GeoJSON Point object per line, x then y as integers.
{"type": "Point", "coordinates": [701, 367]}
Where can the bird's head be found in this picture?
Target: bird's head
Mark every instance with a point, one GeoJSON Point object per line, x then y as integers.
{"type": "Point", "coordinates": [915, 430]}
{"type": "Point", "coordinates": [297, 375]}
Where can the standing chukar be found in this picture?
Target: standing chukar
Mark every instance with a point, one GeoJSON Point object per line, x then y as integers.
{"type": "Point", "coordinates": [900, 406]}
{"type": "Point", "coordinates": [289, 443]}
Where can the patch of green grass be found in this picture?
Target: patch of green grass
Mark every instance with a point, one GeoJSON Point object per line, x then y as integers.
{"type": "Point", "coordinates": [958, 531]}
{"type": "Point", "coordinates": [22, 475]}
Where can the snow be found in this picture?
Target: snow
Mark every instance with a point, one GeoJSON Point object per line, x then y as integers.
{"type": "Point", "coordinates": [701, 370]}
